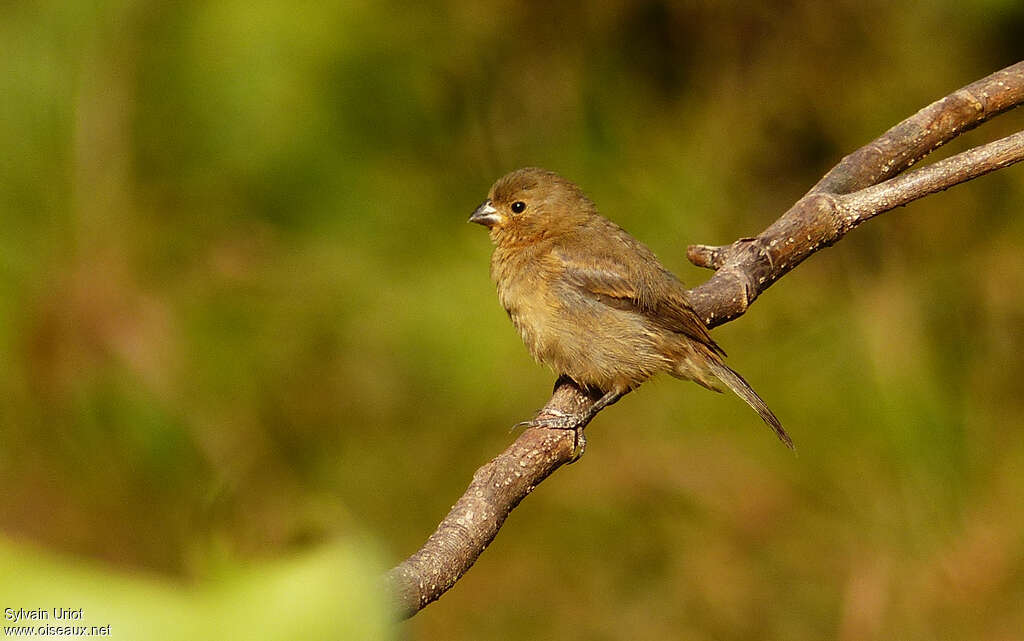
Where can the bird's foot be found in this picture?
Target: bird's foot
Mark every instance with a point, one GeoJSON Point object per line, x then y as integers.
{"type": "Point", "coordinates": [558, 420]}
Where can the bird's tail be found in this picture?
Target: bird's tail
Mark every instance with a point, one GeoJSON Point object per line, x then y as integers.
{"type": "Point", "coordinates": [737, 384]}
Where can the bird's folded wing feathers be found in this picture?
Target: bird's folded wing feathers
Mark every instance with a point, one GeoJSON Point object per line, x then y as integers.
{"type": "Point", "coordinates": [649, 290]}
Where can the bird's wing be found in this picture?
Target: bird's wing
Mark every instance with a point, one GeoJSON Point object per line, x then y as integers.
{"type": "Point", "coordinates": [641, 286]}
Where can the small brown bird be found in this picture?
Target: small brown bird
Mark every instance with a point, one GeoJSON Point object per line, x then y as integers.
{"type": "Point", "coordinates": [592, 302]}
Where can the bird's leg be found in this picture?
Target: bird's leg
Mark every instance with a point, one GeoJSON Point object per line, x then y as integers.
{"type": "Point", "coordinates": [609, 398]}
{"type": "Point", "coordinates": [556, 419]}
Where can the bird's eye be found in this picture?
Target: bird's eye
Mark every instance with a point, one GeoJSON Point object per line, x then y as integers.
{"type": "Point", "coordinates": [518, 207]}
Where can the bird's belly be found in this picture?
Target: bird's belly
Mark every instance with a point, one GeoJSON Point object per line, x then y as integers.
{"type": "Point", "coordinates": [590, 342]}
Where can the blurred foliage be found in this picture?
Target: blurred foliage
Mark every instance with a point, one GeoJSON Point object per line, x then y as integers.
{"type": "Point", "coordinates": [241, 313]}
{"type": "Point", "coordinates": [322, 595]}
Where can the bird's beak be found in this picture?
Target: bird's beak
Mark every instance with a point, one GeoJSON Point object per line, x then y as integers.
{"type": "Point", "coordinates": [486, 215]}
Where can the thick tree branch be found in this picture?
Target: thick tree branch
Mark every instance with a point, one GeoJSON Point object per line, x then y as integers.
{"type": "Point", "coordinates": [864, 184]}
{"type": "Point", "coordinates": [935, 125]}
{"type": "Point", "coordinates": [842, 199]}
{"type": "Point", "coordinates": [496, 489]}
{"type": "Point", "coordinates": [750, 265]}
{"type": "Point", "coordinates": [896, 192]}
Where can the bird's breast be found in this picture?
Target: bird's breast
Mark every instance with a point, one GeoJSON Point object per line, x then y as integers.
{"type": "Point", "coordinates": [523, 280]}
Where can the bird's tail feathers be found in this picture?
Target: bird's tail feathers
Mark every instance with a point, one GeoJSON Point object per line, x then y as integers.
{"type": "Point", "coordinates": [737, 384]}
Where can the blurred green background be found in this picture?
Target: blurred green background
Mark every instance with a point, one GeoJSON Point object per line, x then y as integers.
{"type": "Point", "coordinates": [242, 315]}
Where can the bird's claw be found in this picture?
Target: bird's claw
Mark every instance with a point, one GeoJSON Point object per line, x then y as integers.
{"type": "Point", "coordinates": [558, 420]}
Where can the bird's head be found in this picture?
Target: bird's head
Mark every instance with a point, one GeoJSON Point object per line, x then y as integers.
{"type": "Point", "coordinates": [530, 204]}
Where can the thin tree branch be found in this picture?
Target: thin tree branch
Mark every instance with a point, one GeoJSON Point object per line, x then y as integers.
{"type": "Point", "coordinates": [927, 130]}
{"type": "Point", "coordinates": [860, 187]}
{"type": "Point", "coordinates": [869, 202]}
{"type": "Point", "coordinates": [750, 265]}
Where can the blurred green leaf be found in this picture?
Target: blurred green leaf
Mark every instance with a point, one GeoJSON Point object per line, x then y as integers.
{"type": "Point", "coordinates": [332, 593]}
